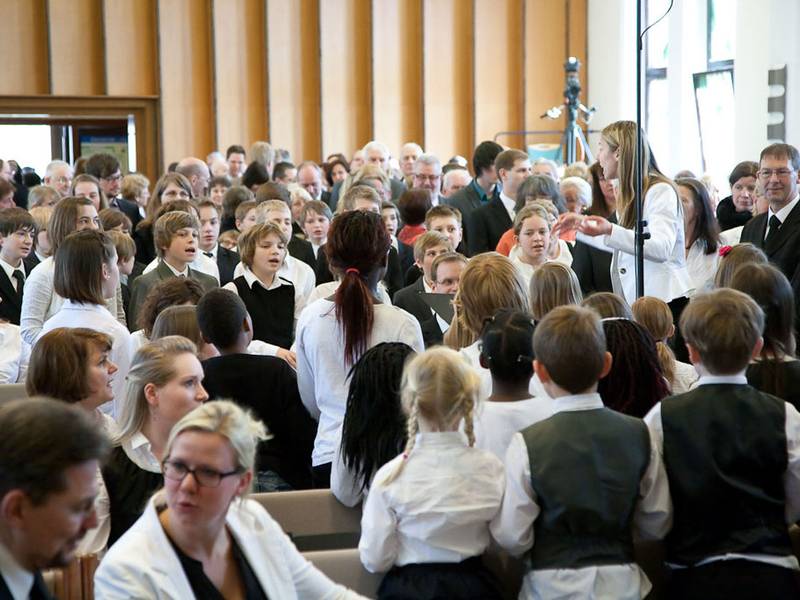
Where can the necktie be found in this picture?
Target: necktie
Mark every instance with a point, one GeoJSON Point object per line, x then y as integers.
{"type": "Point", "coordinates": [39, 590]}
{"type": "Point", "coordinates": [208, 254]}
{"type": "Point", "coordinates": [774, 226]}
{"type": "Point", "coordinates": [20, 277]}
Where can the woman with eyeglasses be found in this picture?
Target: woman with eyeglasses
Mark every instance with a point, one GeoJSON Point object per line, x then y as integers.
{"type": "Point", "coordinates": [199, 537]}
{"type": "Point", "coordinates": [171, 187]}
{"type": "Point", "coordinates": [163, 385]}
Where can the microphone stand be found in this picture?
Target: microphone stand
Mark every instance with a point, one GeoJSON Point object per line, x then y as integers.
{"type": "Point", "coordinates": [639, 235]}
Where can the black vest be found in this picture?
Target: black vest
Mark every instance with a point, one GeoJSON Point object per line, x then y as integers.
{"type": "Point", "coordinates": [725, 455]}
{"type": "Point", "coordinates": [586, 469]}
{"type": "Point", "coordinates": [272, 311]}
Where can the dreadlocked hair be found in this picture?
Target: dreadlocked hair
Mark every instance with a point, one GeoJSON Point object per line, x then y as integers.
{"type": "Point", "coordinates": [357, 246]}
{"type": "Point", "coordinates": [374, 427]}
{"type": "Point", "coordinates": [655, 316]}
{"type": "Point", "coordinates": [636, 382]}
{"type": "Point", "coordinates": [441, 388]}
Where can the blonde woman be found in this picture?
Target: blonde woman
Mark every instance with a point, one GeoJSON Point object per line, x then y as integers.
{"type": "Point", "coordinates": [199, 537]}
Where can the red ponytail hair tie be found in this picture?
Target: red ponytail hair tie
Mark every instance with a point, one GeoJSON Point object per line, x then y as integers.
{"type": "Point", "coordinates": [724, 250]}
{"type": "Point", "coordinates": [352, 270]}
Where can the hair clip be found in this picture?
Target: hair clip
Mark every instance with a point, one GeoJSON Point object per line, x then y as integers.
{"type": "Point", "coordinates": [725, 250]}
{"type": "Point", "coordinates": [604, 319]}
{"type": "Point", "coordinates": [523, 358]}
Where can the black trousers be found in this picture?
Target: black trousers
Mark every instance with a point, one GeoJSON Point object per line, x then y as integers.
{"type": "Point", "coordinates": [467, 580]}
{"type": "Point", "coordinates": [321, 476]}
{"type": "Point", "coordinates": [678, 344]}
{"type": "Point", "coordinates": [733, 580]}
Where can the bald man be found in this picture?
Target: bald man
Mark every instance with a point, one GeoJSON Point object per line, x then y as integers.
{"type": "Point", "coordinates": [196, 171]}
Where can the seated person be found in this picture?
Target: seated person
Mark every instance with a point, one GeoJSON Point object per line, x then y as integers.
{"type": "Point", "coordinates": [582, 482]}
{"type": "Point", "coordinates": [284, 461]}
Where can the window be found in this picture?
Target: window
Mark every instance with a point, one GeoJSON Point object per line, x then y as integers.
{"type": "Point", "coordinates": [656, 89]}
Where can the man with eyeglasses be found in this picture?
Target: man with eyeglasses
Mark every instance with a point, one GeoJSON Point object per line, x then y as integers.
{"type": "Point", "coordinates": [777, 232]}
{"type": "Point", "coordinates": [106, 168]}
{"type": "Point", "coordinates": [58, 175]}
{"type": "Point", "coordinates": [427, 175]}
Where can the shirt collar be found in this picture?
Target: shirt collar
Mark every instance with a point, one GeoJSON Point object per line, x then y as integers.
{"type": "Point", "coordinates": [738, 379]}
{"type": "Point", "coordinates": [213, 252]}
{"type": "Point", "coordinates": [479, 190]}
{"type": "Point", "coordinates": [251, 279]}
{"type": "Point", "coordinates": [425, 287]}
{"type": "Point", "coordinates": [439, 438]}
{"type": "Point", "coordinates": [184, 273]}
{"type": "Point", "coordinates": [577, 402]}
{"type": "Point", "coordinates": [784, 212]}
{"type": "Point", "coordinates": [508, 203]}
{"type": "Point", "coordinates": [10, 270]}
{"type": "Point", "coordinates": [72, 305]}
{"type": "Point", "coordinates": [139, 451]}
{"type": "Point", "coordinates": [18, 580]}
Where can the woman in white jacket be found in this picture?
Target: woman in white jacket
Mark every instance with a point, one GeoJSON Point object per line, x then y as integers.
{"type": "Point", "coordinates": [194, 541]}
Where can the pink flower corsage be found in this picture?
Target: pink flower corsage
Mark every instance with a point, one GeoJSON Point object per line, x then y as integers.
{"type": "Point", "coordinates": [724, 250]}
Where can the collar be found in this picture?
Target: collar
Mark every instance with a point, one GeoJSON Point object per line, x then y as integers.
{"type": "Point", "coordinates": [783, 213]}
{"type": "Point", "coordinates": [479, 190]}
{"type": "Point", "coordinates": [10, 270]}
{"type": "Point", "coordinates": [213, 252]}
{"type": "Point", "coordinates": [508, 203]}
{"type": "Point", "coordinates": [184, 273]}
{"type": "Point", "coordinates": [18, 580]}
{"type": "Point", "coordinates": [41, 257]}
{"type": "Point", "coordinates": [95, 308]}
{"type": "Point", "coordinates": [251, 279]}
{"type": "Point", "coordinates": [737, 379]}
{"type": "Point", "coordinates": [439, 439]}
{"type": "Point", "coordinates": [138, 450]}
{"type": "Point", "coordinates": [425, 287]}
{"type": "Point", "coordinates": [577, 402]}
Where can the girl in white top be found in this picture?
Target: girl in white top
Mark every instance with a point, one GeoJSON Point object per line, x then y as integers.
{"type": "Point", "coordinates": [334, 332]}
{"type": "Point", "coordinates": [507, 352]}
{"type": "Point", "coordinates": [654, 315]}
{"type": "Point", "coordinates": [86, 275]}
{"type": "Point", "coordinates": [702, 234]}
{"type": "Point", "coordinates": [374, 428]}
{"type": "Point", "coordinates": [428, 511]}
{"type": "Point", "coordinates": [534, 244]}
{"type": "Point", "coordinates": [665, 273]}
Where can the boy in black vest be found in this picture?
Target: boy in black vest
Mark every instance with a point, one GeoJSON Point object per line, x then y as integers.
{"type": "Point", "coordinates": [732, 456]}
{"type": "Point", "coordinates": [581, 481]}
{"type": "Point", "coordinates": [264, 384]}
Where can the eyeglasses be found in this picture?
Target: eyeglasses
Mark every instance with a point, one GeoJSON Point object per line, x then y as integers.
{"type": "Point", "coordinates": [781, 173]}
{"type": "Point", "coordinates": [64, 180]}
{"type": "Point", "coordinates": [177, 471]}
{"type": "Point", "coordinates": [431, 178]}
{"type": "Point", "coordinates": [115, 177]}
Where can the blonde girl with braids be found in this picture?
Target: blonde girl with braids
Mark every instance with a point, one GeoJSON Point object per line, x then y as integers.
{"type": "Point", "coordinates": [426, 517]}
{"type": "Point", "coordinates": [654, 315]}
{"type": "Point", "coordinates": [665, 273]}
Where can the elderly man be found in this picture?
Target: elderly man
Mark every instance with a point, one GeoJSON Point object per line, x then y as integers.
{"type": "Point", "coordinates": [58, 175]}
{"type": "Point", "coordinates": [455, 180]}
{"type": "Point", "coordinates": [375, 153]}
{"type": "Point", "coordinates": [427, 175]}
{"type": "Point", "coordinates": [49, 458]}
{"type": "Point", "coordinates": [196, 171]}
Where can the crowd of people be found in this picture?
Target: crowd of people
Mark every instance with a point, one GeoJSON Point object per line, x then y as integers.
{"type": "Point", "coordinates": [459, 348]}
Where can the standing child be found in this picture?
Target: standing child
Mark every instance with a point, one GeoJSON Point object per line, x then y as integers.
{"type": "Point", "coordinates": [428, 511]}
{"type": "Point", "coordinates": [316, 220]}
{"type": "Point", "coordinates": [126, 257]}
{"type": "Point", "coordinates": [580, 482]}
{"type": "Point", "coordinates": [732, 462]}
{"type": "Point", "coordinates": [17, 232]}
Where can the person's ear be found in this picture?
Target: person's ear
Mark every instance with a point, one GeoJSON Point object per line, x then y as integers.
{"type": "Point", "coordinates": [12, 508]}
{"type": "Point", "coordinates": [694, 355]}
{"type": "Point", "coordinates": [246, 325]}
{"type": "Point", "coordinates": [608, 361]}
{"type": "Point", "coordinates": [541, 372]}
{"type": "Point", "coordinates": [483, 360]}
{"type": "Point", "coordinates": [671, 331]}
{"type": "Point", "coordinates": [105, 271]}
{"type": "Point", "coordinates": [758, 347]}
{"type": "Point", "coordinates": [151, 394]}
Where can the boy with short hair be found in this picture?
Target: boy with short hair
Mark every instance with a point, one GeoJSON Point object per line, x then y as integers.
{"type": "Point", "coordinates": [175, 235]}
{"type": "Point", "coordinates": [284, 462]}
{"type": "Point", "coordinates": [447, 220]}
{"type": "Point", "coordinates": [246, 215]}
{"type": "Point", "coordinates": [732, 460]}
{"type": "Point", "coordinates": [316, 221]}
{"type": "Point", "coordinates": [210, 219]}
{"type": "Point", "coordinates": [579, 482]}
{"type": "Point", "coordinates": [17, 232]}
{"type": "Point", "coordinates": [280, 213]}
{"type": "Point", "coordinates": [126, 258]}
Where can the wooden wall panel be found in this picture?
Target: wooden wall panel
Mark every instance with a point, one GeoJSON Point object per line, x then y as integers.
{"type": "Point", "coordinates": [345, 75]}
{"type": "Point", "coordinates": [23, 44]}
{"type": "Point", "coordinates": [545, 53]}
{"type": "Point", "coordinates": [131, 47]}
{"type": "Point", "coordinates": [498, 70]}
{"type": "Point", "coordinates": [294, 80]}
{"type": "Point", "coordinates": [186, 79]}
{"type": "Point", "coordinates": [397, 72]}
{"type": "Point", "coordinates": [241, 72]}
{"type": "Point", "coordinates": [77, 55]}
{"type": "Point", "coordinates": [448, 92]}
{"type": "Point", "coordinates": [577, 40]}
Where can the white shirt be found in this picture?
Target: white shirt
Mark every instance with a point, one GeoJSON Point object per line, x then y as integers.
{"type": "Point", "coordinates": [296, 271]}
{"type": "Point", "coordinates": [18, 580]}
{"type": "Point", "coordinates": [702, 267]}
{"type": "Point", "coordinates": [322, 376]}
{"type": "Point", "coordinates": [508, 204]}
{"type": "Point", "coordinates": [316, 247]}
{"type": "Point", "coordinates": [513, 526]}
{"type": "Point", "coordinates": [138, 339]}
{"type": "Point", "coordinates": [472, 354]}
{"type": "Point", "coordinates": [94, 316]}
{"type": "Point", "coordinates": [497, 422]}
{"type": "Point", "coordinates": [251, 280]}
{"type": "Point", "coordinates": [782, 214]}
{"type": "Point", "coordinates": [137, 448]}
{"type": "Point", "coordinates": [201, 263]}
{"type": "Point", "coordinates": [96, 539]}
{"type": "Point", "coordinates": [14, 355]}
{"type": "Point", "coordinates": [344, 485]}
{"type": "Point", "coordinates": [326, 290]}
{"type": "Point", "coordinates": [437, 510]}
{"type": "Point", "coordinates": [685, 378]}
{"type": "Point", "coordinates": [10, 272]}
{"type": "Point", "coordinates": [791, 478]}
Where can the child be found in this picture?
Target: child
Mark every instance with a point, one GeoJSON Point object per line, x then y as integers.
{"type": "Point", "coordinates": [175, 236]}
{"type": "Point", "coordinates": [413, 205]}
{"type": "Point", "coordinates": [580, 481]}
{"type": "Point", "coordinates": [17, 232]}
{"type": "Point", "coordinates": [41, 243]}
{"type": "Point", "coordinates": [552, 285]}
{"type": "Point", "coordinates": [245, 215]}
{"type": "Point", "coordinates": [532, 238]}
{"type": "Point", "coordinates": [229, 239]}
{"type": "Point", "coordinates": [655, 316]}
{"type": "Point", "coordinates": [428, 511]}
{"type": "Point", "coordinates": [209, 215]}
{"type": "Point", "coordinates": [316, 220]}
{"type": "Point", "coordinates": [730, 453]}
{"type": "Point", "coordinates": [507, 351]}
{"type": "Point", "coordinates": [217, 188]}
{"type": "Point", "coordinates": [274, 303]}
{"type": "Point", "coordinates": [284, 461]}
{"type": "Point", "coordinates": [447, 220]}
{"type": "Point", "coordinates": [126, 257]}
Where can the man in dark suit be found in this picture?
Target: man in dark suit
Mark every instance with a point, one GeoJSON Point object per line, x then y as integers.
{"type": "Point", "coordinates": [481, 189]}
{"type": "Point", "coordinates": [488, 223]}
{"type": "Point", "coordinates": [107, 170]}
{"type": "Point", "coordinates": [49, 456]}
{"type": "Point", "coordinates": [209, 236]}
{"type": "Point", "coordinates": [777, 232]}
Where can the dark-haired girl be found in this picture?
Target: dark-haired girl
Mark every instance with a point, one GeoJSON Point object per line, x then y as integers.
{"type": "Point", "coordinates": [507, 351]}
{"type": "Point", "coordinates": [333, 332]}
{"type": "Point", "coordinates": [702, 233]}
{"type": "Point", "coordinates": [374, 426]}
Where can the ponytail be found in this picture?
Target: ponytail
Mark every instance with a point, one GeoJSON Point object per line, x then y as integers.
{"type": "Point", "coordinates": [667, 360]}
{"type": "Point", "coordinates": [355, 314]}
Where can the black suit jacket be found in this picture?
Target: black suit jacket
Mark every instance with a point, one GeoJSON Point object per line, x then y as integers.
{"type": "Point", "coordinates": [226, 261]}
{"type": "Point", "coordinates": [466, 200]}
{"type": "Point", "coordinates": [486, 226]}
{"type": "Point", "coordinates": [302, 250]}
{"type": "Point", "coordinates": [10, 300]}
{"type": "Point", "coordinates": [592, 266]}
{"type": "Point", "coordinates": [39, 590]}
{"type": "Point", "coordinates": [30, 261]}
{"type": "Point", "coordinates": [410, 301]}
{"type": "Point", "coordinates": [131, 210]}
